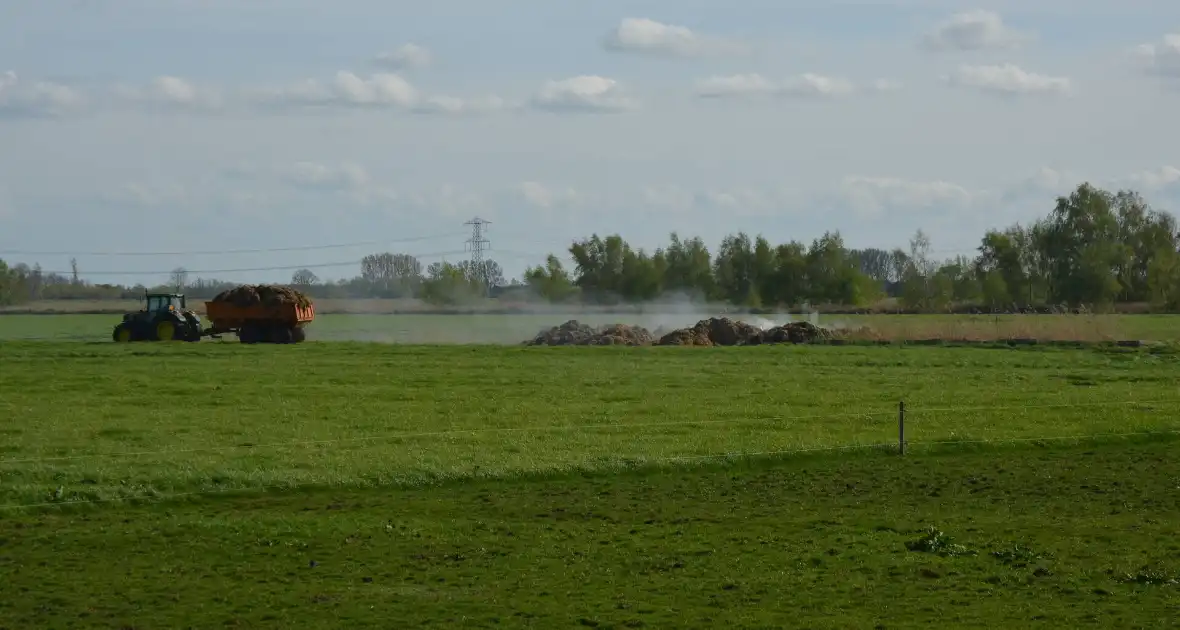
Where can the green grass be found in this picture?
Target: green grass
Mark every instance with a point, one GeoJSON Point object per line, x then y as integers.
{"type": "Point", "coordinates": [104, 421]}
{"type": "Point", "coordinates": [364, 485]}
{"type": "Point", "coordinates": [1080, 536]}
{"type": "Point", "coordinates": [513, 329]}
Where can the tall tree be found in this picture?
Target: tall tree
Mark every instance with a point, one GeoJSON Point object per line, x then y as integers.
{"type": "Point", "coordinates": [178, 279]}
{"type": "Point", "coordinates": [304, 278]}
{"type": "Point", "coordinates": [552, 281]}
{"type": "Point", "coordinates": [1082, 244]}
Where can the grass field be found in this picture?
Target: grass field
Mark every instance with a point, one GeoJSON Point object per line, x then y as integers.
{"type": "Point", "coordinates": [512, 329]}
{"type": "Point", "coordinates": [201, 417]}
{"type": "Point", "coordinates": [354, 483]}
{"type": "Point", "coordinates": [1075, 536]}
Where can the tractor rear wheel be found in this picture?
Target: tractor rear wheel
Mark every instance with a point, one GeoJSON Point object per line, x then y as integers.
{"type": "Point", "coordinates": [165, 330]}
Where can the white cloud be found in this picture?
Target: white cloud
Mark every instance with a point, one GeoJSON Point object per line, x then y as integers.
{"type": "Point", "coordinates": [886, 85]}
{"type": "Point", "coordinates": [1007, 79]}
{"type": "Point", "coordinates": [1049, 183]}
{"type": "Point", "coordinates": [805, 85]}
{"type": "Point", "coordinates": [1045, 184]}
{"type": "Point", "coordinates": [455, 105]}
{"type": "Point", "coordinates": [734, 201]}
{"type": "Point", "coordinates": [378, 90]}
{"type": "Point", "coordinates": [583, 93]}
{"type": "Point", "coordinates": [646, 36]}
{"type": "Point", "coordinates": [449, 201]}
{"type": "Point", "coordinates": [545, 197]}
{"type": "Point", "coordinates": [973, 30]}
{"type": "Point", "coordinates": [1162, 58]}
{"type": "Point", "coordinates": [150, 195]}
{"type": "Point", "coordinates": [40, 98]}
{"type": "Point", "coordinates": [172, 91]}
{"type": "Point", "coordinates": [345, 88]}
{"type": "Point", "coordinates": [810, 85]}
{"type": "Point", "coordinates": [341, 176]}
{"type": "Point", "coordinates": [872, 195]}
{"type": "Point", "coordinates": [316, 175]}
{"type": "Point", "coordinates": [735, 85]}
{"type": "Point", "coordinates": [1155, 179]}
{"type": "Point", "coordinates": [276, 186]}
{"type": "Point", "coordinates": [406, 57]}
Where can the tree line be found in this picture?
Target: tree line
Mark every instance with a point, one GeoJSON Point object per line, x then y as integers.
{"type": "Point", "coordinates": [383, 275]}
{"type": "Point", "coordinates": [1095, 248]}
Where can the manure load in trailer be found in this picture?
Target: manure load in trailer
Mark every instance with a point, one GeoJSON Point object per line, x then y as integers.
{"type": "Point", "coordinates": [261, 314]}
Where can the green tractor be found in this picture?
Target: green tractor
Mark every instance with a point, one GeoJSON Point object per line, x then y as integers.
{"type": "Point", "coordinates": [165, 317]}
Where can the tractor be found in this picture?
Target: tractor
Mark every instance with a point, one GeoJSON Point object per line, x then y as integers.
{"type": "Point", "coordinates": [165, 317]}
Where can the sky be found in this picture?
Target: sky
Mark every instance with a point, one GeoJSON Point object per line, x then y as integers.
{"type": "Point", "coordinates": [141, 135]}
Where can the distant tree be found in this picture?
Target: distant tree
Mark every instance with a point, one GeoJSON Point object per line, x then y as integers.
{"type": "Point", "coordinates": [448, 283]}
{"type": "Point", "coordinates": [552, 281]}
{"type": "Point", "coordinates": [178, 279]}
{"type": "Point", "coordinates": [392, 275]}
{"type": "Point", "coordinates": [487, 274]}
{"type": "Point", "coordinates": [304, 278]}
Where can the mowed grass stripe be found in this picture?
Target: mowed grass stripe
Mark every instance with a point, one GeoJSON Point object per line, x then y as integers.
{"type": "Point", "coordinates": [218, 416]}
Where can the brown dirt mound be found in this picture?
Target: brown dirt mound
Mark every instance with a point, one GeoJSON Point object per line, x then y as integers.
{"type": "Point", "coordinates": [794, 332]}
{"type": "Point", "coordinates": [715, 331]}
{"type": "Point", "coordinates": [726, 332]}
{"type": "Point", "coordinates": [268, 294]}
{"type": "Point", "coordinates": [575, 333]}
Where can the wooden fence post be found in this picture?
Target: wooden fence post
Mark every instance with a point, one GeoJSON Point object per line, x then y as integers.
{"type": "Point", "coordinates": [901, 427]}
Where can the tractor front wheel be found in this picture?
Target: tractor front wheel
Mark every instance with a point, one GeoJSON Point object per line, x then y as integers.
{"type": "Point", "coordinates": [192, 333]}
{"type": "Point", "coordinates": [122, 333]}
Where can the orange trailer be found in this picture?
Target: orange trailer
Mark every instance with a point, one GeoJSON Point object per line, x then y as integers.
{"type": "Point", "coordinates": [260, 323]}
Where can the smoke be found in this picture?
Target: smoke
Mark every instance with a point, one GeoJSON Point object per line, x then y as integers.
{"type": "Point", "coordinates": [512, 321]}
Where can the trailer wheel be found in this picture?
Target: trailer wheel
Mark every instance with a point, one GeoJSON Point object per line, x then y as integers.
{"type": "Point", "coordinates": [281, 334]}
{"type": "Point", "coordinates": [248, 334]}
{"type": "Point", "coordinates": [299, 335]}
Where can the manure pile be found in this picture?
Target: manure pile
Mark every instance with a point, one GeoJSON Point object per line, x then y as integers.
{"type": "Point", "coordinates": [715, 331]}
{"type": "Point", "coordinates": [575, 333]}
{"type": "Point", "coordinates": [267, 294]}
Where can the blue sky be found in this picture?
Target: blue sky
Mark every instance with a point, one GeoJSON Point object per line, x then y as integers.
{"type": "Point", "coordinates": [199, 125]}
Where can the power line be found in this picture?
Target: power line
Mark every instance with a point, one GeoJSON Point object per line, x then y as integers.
{"type": "Point", "coordinates": [235, 251]}
{"type": "Point", "coordinates": [245, 269]}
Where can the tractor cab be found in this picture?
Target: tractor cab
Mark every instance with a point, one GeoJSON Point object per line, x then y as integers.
{"type": "Point", "coordinates": [158, 302]}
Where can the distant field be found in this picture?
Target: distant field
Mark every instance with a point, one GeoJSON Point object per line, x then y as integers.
{"type": "Point", "coordinates": [201, 417]}
{"type": "Point", "coordinates": [512, 329]}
